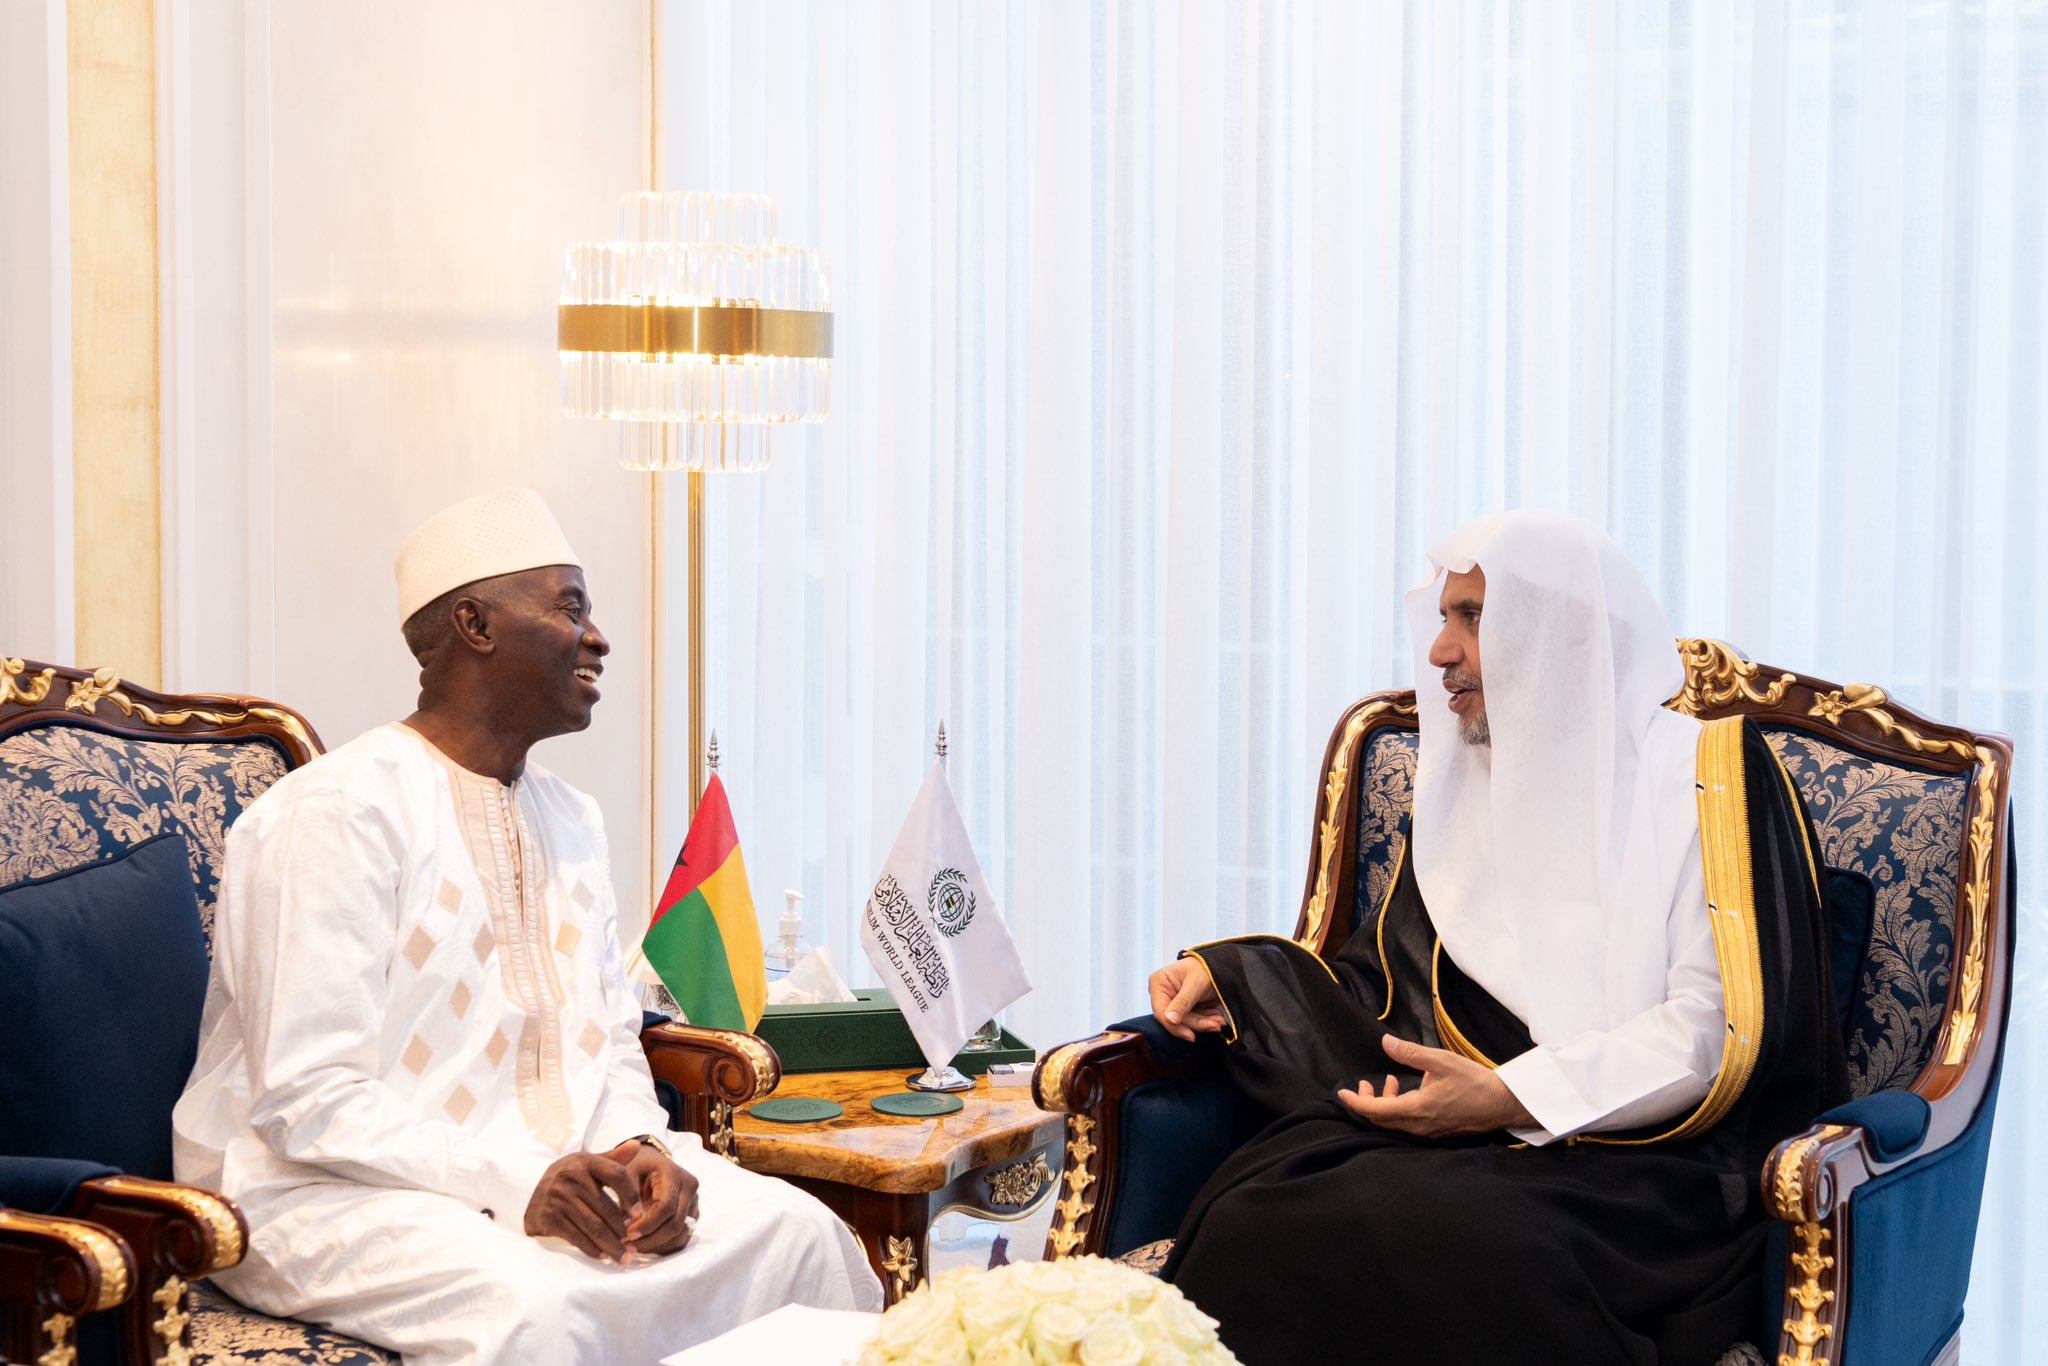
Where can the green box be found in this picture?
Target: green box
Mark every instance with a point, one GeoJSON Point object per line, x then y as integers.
{"type": "Point", "coordinates": [866, 1034]}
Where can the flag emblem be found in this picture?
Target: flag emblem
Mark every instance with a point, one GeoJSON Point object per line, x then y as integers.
{"type": "Point", "coordinates": [704, 940]}
{"type": "Point", "coordinates": [951, 902]}
{"type": "Point", "coordinates": [946, 955]}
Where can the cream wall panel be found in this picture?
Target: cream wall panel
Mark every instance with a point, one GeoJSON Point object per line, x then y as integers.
{"type": "Point", "coordinates": [427, 163]}
{"type": "Point", "coordinates": [116, 554]}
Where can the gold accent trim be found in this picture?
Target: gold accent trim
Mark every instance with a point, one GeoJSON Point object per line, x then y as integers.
{"type": "Point", "coordinates": [1832, 707]}
{"type": "Point", "coordinates": [1330, 830]}
{"type": "Point", "coordinates": [57, 1328]}
{"type": "Point", "coordinates": [1447, 1032]}
{"type": "Point", "coordinates": [1229, 1017]}
{"type": "Point", "coordinates": [750, 1047]}
{"type": "Point", "coordinates": [204, 1206]}
{"type": "Point", "coordinates": [901, 1264]}
{"type": "Point", "coordinates": [170, 1328]}
{"type": "Point", "coordinates": [27, 694]}
{"type": "Point", "coordinates": [105, 686]}
{"type": "Point", "coordinates": [1052, 1073]}
{"type": "Point", "coordinates": [89, 1241]}
{"type": "Point", "coordinates": [1019, 1183]}
{"type": "Point", "coordinates": [1869, 701]}
{"type": "Point", "coordinates": [1716, 675]}
{"type": "Point", "coordinates": [719, 1139]}
{"type": "Point", "coordinates": [722, 330]}
{"type": "Point", "coordinates": [1788, 1191]}
{"type": "Point", "coordinates": [1962, 1029]}
{"type": "Point", "coordinates": [1731, 910]}
{"type": "Point", "coordinates": [1380, 930]}
{"type": "Point", "coordinates": [1074, 1206]}
{"type": "Point", "coordinates": [1808, 1296]}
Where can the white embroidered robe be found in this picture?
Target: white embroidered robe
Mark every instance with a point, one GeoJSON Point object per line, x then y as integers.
{"type": "Point", "coordinates": [416, 1006]}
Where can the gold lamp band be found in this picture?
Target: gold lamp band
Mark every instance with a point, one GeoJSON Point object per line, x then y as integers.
{"type": "Point", "coordinates": [695, 330]}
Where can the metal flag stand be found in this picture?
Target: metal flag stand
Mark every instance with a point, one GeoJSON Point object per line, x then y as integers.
{"type": "Point", "coordinates": [949, 1077]}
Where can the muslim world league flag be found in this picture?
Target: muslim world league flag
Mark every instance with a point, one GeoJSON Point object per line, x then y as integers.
{"type": "Point", "coordinates": [704, 940]}
{"type": "Point", "coordinates": [932, 930]}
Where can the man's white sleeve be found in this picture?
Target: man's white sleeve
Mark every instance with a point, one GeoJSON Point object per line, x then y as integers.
{"type": "Point", "coordinates": [308, 924]}
{"type": "Point", "coordinates": [1651, 1067]}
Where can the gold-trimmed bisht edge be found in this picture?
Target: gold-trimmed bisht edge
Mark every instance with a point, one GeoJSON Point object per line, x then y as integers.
{"type": "Point", "coordinates": [725, 330]}
{"type": "Point", "coordinates": [1447, 1032]}
{"type": "Point", "coordinates": [1196, 953]}
{"type": "Point", "coordinates": [1380, 930]}
{"type": "Point", "coordinates": [1731, 910]}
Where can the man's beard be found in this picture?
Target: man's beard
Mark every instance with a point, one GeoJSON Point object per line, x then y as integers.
{"type": "Point", "coordinates": [1473, 729]}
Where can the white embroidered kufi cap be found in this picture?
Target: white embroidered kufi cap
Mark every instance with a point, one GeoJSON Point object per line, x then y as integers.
{"type": "Point", "coordinates": [492, 534]}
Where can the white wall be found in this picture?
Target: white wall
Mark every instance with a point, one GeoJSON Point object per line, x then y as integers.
{"type": "Point", "coordinates": [362, 209]}
{"type": "Point", "coordinates": [35, 334]}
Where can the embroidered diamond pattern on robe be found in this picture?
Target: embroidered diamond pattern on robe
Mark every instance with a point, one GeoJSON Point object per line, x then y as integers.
{"type": "Point", "coordinates": [582, 896]}
{"type": "Point", "coordinates": [591, 1039]}
{"type": "Point", "coordinates": [417, 1055]}
{"type": "Point", "coordinates": [566, 940]}
{"type": "Point", "coordinates": [485, 942]}
{"type": "Point", "coordinates": [495, 1050]}
{"type": "Point", "coordinates": [460, 1104]}
{"type": "Point", "coordinates": [418, 946]}
{"type": "Point", "coordinates": [459, 1000]}
{"type": "Point", "coordinates": [449, 898]}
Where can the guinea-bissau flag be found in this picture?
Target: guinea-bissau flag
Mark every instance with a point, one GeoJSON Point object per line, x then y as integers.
{"type": "Point", "coordinates": [704, 940]}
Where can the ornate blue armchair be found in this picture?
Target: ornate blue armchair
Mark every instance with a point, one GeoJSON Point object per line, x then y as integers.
{"type": "Point", "coordinates": [1875, 1205]}
{"type": "Point", "coordinates": [114, 806]}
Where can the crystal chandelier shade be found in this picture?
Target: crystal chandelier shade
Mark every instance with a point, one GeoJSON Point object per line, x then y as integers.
{"type": "Point", "coordinates": [696, 330]}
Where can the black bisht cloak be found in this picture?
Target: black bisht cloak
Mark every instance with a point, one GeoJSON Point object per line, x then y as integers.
{"type": "Point", "coordinates": [1325, 1239]}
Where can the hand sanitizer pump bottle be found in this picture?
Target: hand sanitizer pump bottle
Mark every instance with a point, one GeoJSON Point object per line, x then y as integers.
{"type": "Point", "coordinates": [789, 946]}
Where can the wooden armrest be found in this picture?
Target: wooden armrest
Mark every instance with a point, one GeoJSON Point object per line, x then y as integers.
{"type": "Point", "coordinates": [177, 1235]}
{"type": "Point", "coordinates": [713, 1070]}
{"type": "Point", "coordinates": [1087, 1080]}
{"type": "Point", "coordinates": [1807, 1181]}
{"type": "Point", "coordinates": [53, 1271]}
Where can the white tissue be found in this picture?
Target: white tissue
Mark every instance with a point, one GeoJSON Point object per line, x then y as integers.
{"type": "Point", "coordinates": [811, 982]}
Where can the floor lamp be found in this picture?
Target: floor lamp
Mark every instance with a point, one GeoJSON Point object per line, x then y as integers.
{"type": "Point", "coordinates": [699, 334]}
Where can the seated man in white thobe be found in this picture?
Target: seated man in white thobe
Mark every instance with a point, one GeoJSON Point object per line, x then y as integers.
{"type": "Point", "coordinates": [420, 1070]}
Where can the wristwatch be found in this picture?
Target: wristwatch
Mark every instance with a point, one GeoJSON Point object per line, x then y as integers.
{"type": "Point", "coordinates": [649, 1140]}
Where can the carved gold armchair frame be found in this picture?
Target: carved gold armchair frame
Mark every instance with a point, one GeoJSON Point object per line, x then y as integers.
{"type": "Point", "coordinates": [1811, 1179]}
{"type": "Point", "coordinates": [136, 1243]}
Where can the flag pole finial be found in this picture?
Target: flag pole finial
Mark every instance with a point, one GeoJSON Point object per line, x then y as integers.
{"type": "Point", "coordinates": [711, 754]}
{"type": "Point", "coordinates": [942, 742]}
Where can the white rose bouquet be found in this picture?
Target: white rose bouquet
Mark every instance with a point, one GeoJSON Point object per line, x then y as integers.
{"type": "Point", "coordinates": [1084, 1310]}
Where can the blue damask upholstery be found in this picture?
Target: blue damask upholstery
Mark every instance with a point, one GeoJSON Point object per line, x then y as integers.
{"type": "Point", "coordinates": [223, 1332]}
{"type": "Point", "coordinates": [1902, 828]}
{"type": "Point", "coordinates": [70, 796]}
{"type": "Point", "coordinates": [1387, 794]}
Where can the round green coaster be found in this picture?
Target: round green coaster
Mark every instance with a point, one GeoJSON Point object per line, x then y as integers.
{"type": "Point", "coordinates": [797, 1110]}
{"type": "Point", "coordinates": [916, 1104]}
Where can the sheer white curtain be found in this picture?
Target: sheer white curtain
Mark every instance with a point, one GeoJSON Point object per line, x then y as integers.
{"type": "Point", "coordinates": [1170, 333]}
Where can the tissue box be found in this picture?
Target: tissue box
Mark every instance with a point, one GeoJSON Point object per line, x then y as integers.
{"type": "Point", "coordinates": [862, 1035]}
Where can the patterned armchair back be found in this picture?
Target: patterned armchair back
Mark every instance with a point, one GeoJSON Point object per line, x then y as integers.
{"type": "Point", "coordinates": [1916, 807]}
{"type": "Point", "coordinates": [89, 767]}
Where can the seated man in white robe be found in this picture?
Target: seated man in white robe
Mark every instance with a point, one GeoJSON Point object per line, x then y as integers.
{"type": "Point", "coordinates": [420, 1071]}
